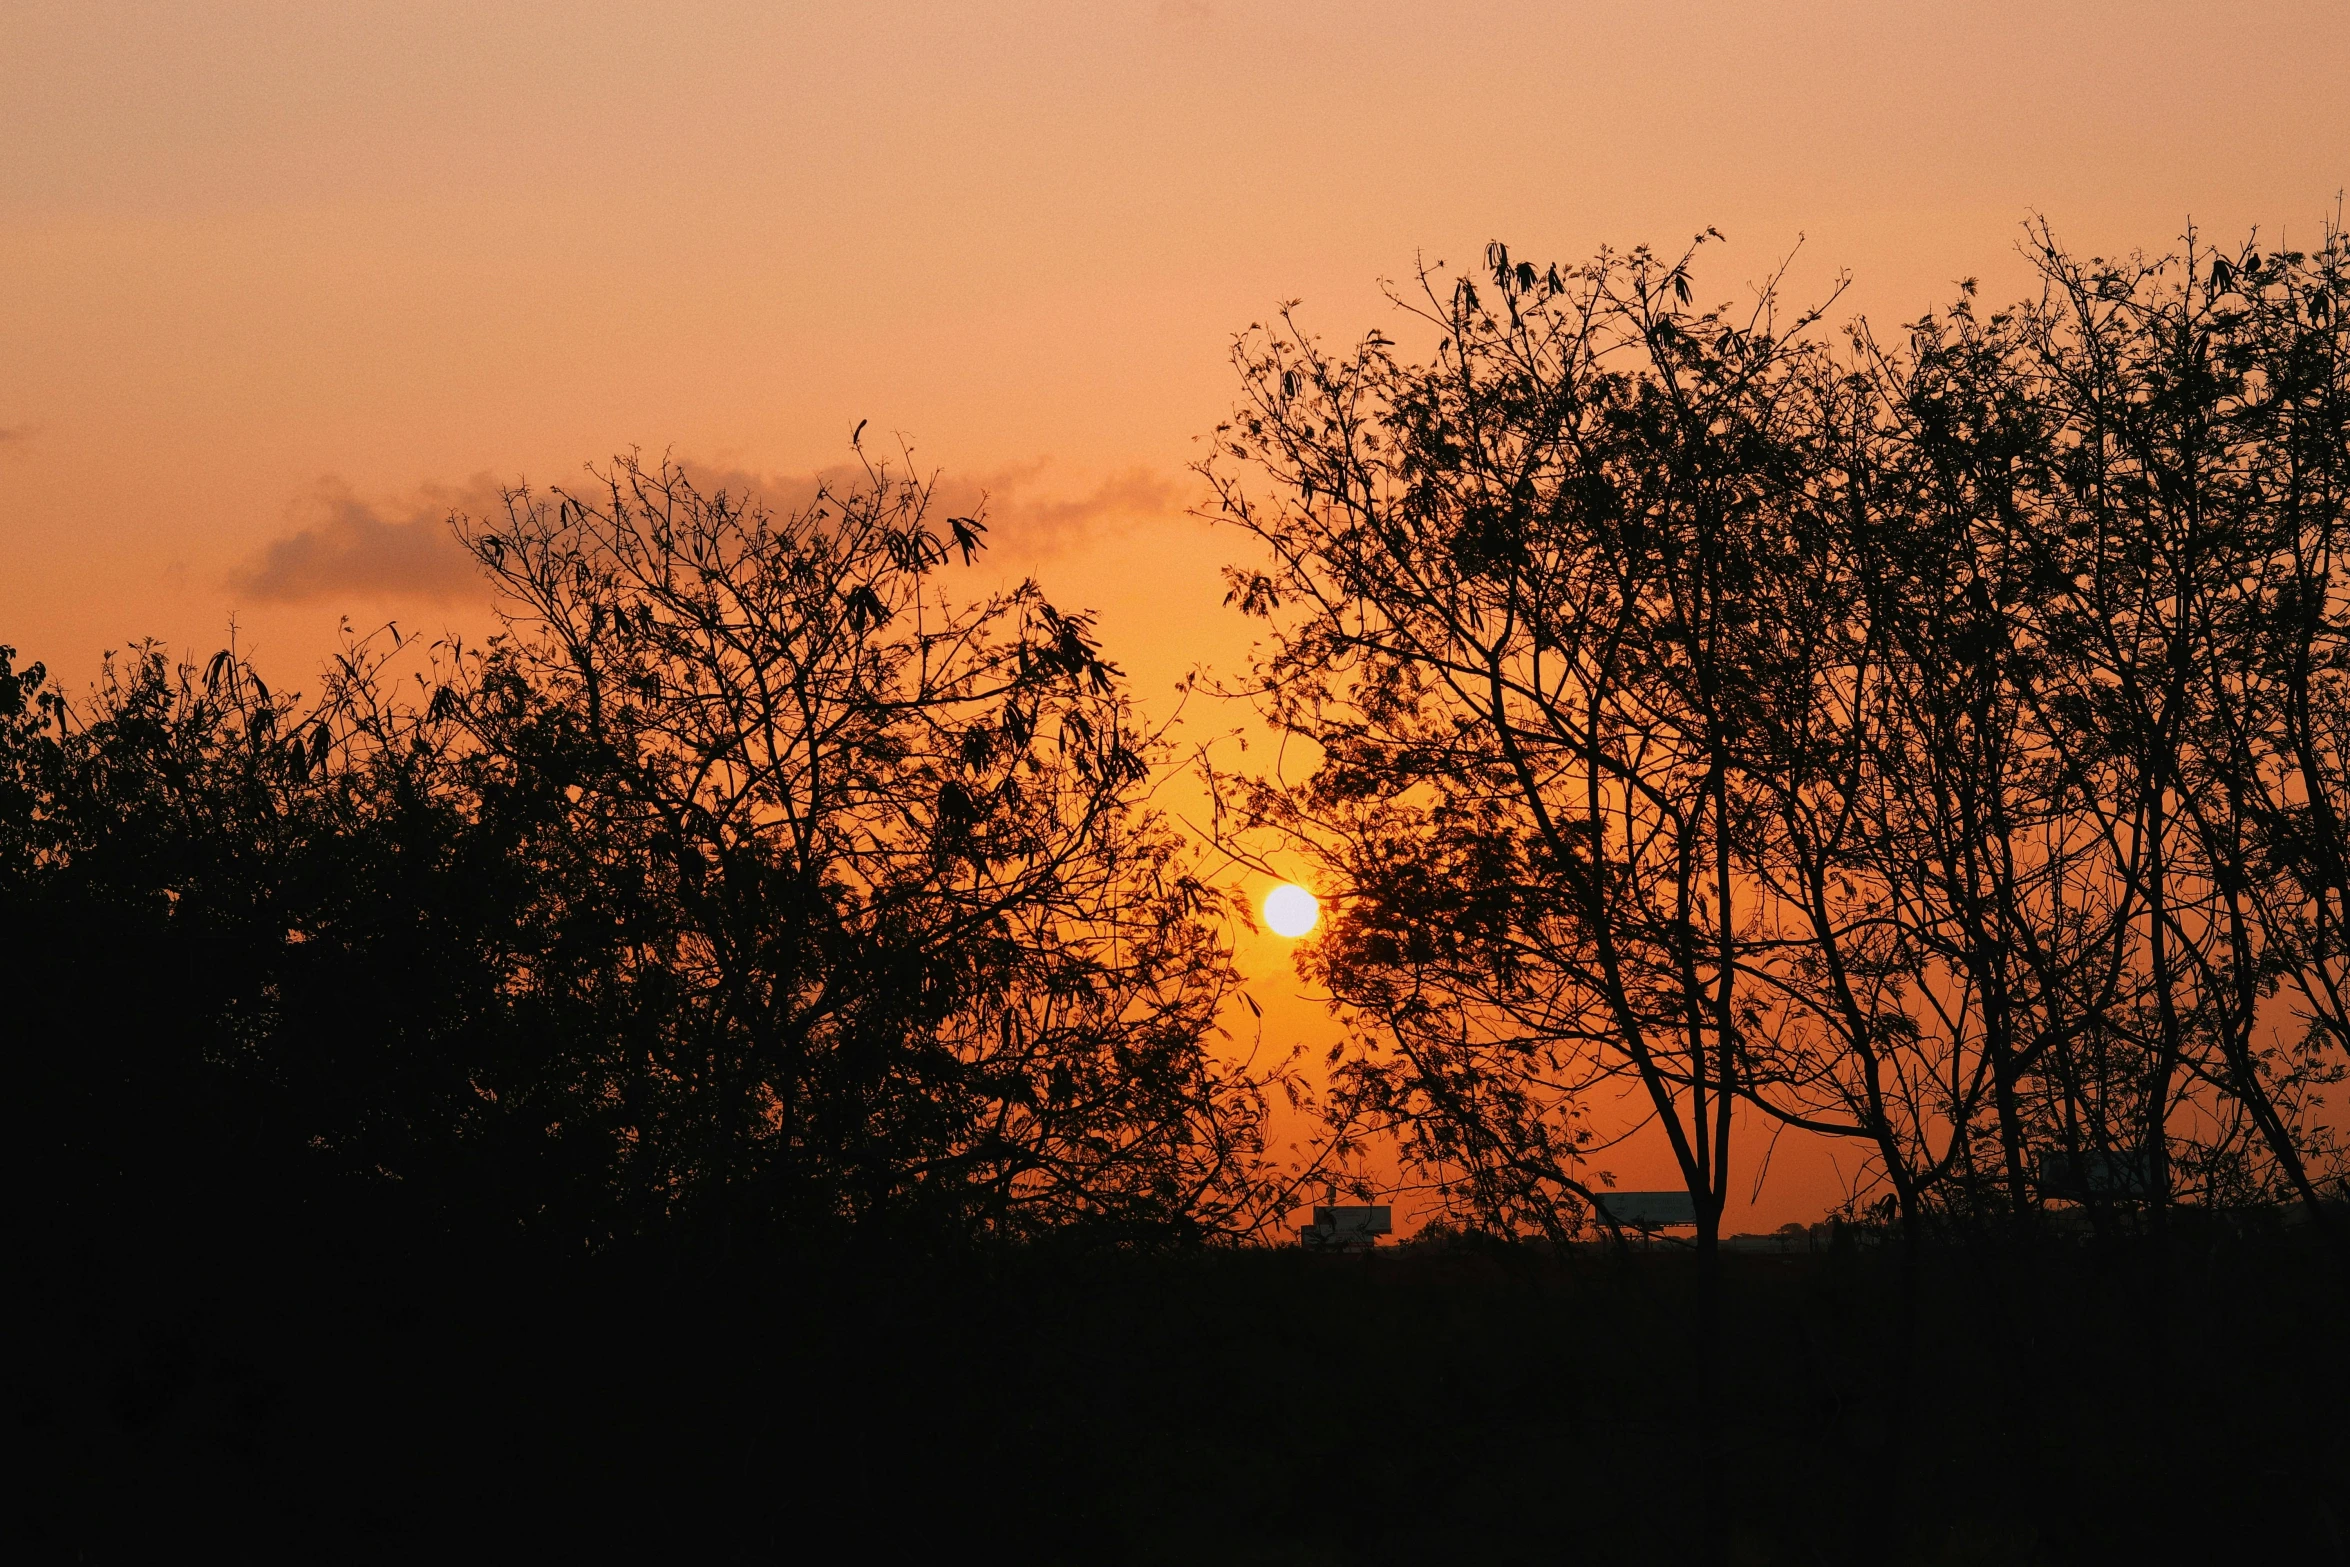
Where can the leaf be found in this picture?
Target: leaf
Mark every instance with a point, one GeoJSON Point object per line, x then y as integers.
{"type": "Point", "coordinates": [865, 608]}
{"type": "Point", "coordinates": [966, 532]}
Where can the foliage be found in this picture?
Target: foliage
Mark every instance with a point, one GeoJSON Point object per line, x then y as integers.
{"type": "Point", "coordinates": [1539, 602]}
{"type": "Point", "coordinates": [746, 887]}
{"type": "Point", "coordinates": [1933, 744]}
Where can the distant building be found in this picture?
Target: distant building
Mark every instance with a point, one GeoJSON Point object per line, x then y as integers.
{"type": "Point", "coordinates": [1338, 1228]}
{"type": "Point", "coordinates": [1644, 1211]}
{"type": "Point", "coordinates": [2107, 1175]}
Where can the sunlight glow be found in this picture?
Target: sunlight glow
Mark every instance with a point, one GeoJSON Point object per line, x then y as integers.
{"type": "Point", "coordinates": [1291, 910]}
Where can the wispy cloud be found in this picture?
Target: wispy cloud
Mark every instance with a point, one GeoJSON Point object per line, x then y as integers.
{"type": "Point", "coordinates": [1047, 526]}
{"type": "Point", "coordinates": [342, 545]}
{"type": "Point", "coordinates": [1025, 511]}
{"type": "Point", "coordinates": [338, 544]}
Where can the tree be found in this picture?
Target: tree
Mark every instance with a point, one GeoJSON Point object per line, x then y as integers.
{"type": "Point", "coordinates": [2098, 523]}
{"type": "Point", "coordinates": [897, 938]}
{"type": "Point", "coordinates": [221, 901]}
{"type": "Point", "coordinates": [1529, 602]}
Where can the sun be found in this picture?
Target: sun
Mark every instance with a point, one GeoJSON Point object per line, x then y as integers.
{"type": "Point", "coordinates": [1291, 910]}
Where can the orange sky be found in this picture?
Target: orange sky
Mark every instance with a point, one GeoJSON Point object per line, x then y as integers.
{"type": "Point", "coordinates": [279, 284]}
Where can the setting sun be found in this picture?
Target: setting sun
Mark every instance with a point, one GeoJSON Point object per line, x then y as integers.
{"type": "Point", "coordinates": [1291, 910]}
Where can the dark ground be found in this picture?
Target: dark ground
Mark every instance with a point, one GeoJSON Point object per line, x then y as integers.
{"type": "Point", "coordinates": [1417, 1406]}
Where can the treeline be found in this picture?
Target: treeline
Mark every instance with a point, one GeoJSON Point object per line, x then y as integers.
{"type": "Point", "coordinates": [749, 884]}
{"type": "Point", "coordinates": [1940, 742]}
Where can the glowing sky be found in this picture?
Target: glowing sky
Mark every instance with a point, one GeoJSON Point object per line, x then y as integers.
{"type": "Point", "coordinates": [280, 284]}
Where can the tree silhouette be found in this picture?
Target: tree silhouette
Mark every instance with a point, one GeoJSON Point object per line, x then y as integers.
{"type": "Point", "coordinates": [903, 942]}
{"type": "Point", "coordinates": [1908, 743]}
{"type": "Point", "coordinates": [1528, 600]}
{"type": "Point", "coordinates": [747, 888]}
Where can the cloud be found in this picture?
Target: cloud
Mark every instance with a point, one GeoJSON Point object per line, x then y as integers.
{"type": "Point", "coordinates": [1046, 527]}
{"type": "Point", "coordinates": [341, 545]}
{"type": "Point", "coordinates": [1023, 514]}
{"type": "Point", "coordinates": [780, 493]}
